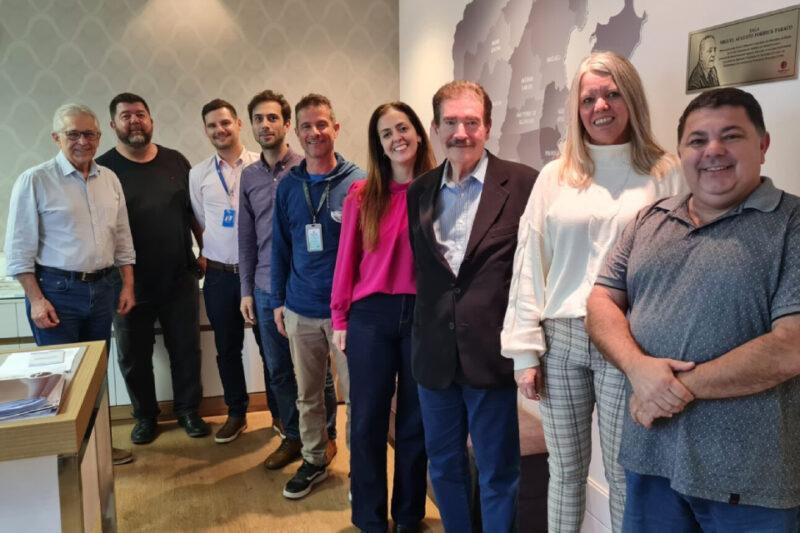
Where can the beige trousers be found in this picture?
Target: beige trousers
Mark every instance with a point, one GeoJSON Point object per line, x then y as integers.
{"type": "Point", "coordinates": [311, 346]}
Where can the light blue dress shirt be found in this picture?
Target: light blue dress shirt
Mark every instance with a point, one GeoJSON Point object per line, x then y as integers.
{"type": "Point", "coordinates": [455, 212]}
{"type": "Point", "coordinates": [57, 218]}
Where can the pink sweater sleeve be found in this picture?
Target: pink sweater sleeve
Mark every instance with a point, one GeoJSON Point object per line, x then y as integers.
{"type": "Point", "coordinates": [347, 259]}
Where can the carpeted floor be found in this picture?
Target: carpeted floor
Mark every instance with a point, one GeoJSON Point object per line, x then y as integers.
{"type": "Point", "coordinates": [182, 484]}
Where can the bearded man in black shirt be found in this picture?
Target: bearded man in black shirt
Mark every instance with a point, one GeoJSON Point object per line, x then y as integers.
{"type": "Point", "coordinates": [155, 181]}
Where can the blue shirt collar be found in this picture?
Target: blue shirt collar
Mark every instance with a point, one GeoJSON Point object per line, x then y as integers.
{"type": "Point", "coordinates": [67, 168]}
{"type": "Point", "coordinates": [479, 172]}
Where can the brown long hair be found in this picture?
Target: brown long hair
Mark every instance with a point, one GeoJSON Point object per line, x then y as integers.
{"type": "Point", "coordinates": [374, 197]}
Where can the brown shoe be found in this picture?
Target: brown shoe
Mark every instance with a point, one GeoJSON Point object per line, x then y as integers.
{"type": "Point", "coordinates": [287, 452]}
{"type": "Point", "coordinates": [231, 429]}
{"type": "Point", "coordinates": [330, 451]}
{"type": "Point", "coordinates": [121, 457]}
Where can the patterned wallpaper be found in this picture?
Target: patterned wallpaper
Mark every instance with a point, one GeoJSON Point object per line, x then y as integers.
{"type": "Point", "coordinates": [179, 54]}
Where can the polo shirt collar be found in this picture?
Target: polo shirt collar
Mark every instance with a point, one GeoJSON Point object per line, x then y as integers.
{"type": "Point", "coordinates": [765, 197]}
{"type": "Point", "coordinates": [281, 163]}
{"type": "Point", "coordinates": [479, 172]}
{"type": "Point", "coordinates": [67, 168]}
{"type": "Point", "coordinates": [672, 203]}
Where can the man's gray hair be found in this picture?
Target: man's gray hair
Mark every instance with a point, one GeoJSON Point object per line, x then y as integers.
{"type": "Point", "coordinates": [70, 110]}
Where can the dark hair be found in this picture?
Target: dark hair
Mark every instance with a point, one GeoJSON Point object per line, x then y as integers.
{"type": "Point", "coordinates": [728, 96]}
{"type": "Point", "coordinates": [217, 103]}
{"type": "Point", "coordinates": [270, 96]}
{"type": "Point", "coordinates": [314, 100]}
{"type": "Point", "coordinates": [375, 194]}
{"type": "Point", "coordinates": [457, 88]}
{"type": "Point", "coordinates": [126, 98]}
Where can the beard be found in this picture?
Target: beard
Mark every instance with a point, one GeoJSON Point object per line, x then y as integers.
{"type": "Point", "coordinates": [274, 142]}
{"type": "Point", "coordinates": [135, 139]}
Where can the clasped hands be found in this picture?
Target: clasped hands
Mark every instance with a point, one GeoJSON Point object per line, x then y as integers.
{"type": "Point", "coordinates": [657, 391]}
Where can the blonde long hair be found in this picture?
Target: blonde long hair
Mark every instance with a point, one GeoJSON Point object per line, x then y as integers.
{"type": "Point", "coordinates": [647, 156]}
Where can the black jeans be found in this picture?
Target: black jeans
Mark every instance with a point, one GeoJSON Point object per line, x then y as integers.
{"type": "Point", "coordinates": [177, 312]}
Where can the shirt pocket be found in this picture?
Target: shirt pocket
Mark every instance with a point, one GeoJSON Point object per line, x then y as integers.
{"type": "Point", "coordinates": [107, 209]}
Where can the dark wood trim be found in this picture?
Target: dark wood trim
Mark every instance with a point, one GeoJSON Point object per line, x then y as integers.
{"type": "Point", "coordinates": [212, 406]}
{"type": "Point", "coordinates": [16, 340]}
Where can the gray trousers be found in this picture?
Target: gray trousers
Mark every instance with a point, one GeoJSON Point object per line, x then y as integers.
{"type": "Point", "coordinates": [311, 346]}
{"type": "Point", "coordinates": [576, 377]}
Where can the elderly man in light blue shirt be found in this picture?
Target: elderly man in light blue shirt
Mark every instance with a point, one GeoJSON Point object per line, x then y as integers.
{"type": "Point", "coordinates": [67, 229]}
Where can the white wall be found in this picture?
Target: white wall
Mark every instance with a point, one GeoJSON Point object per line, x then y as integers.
{"type": "Point", "coordinates": [426, 39]}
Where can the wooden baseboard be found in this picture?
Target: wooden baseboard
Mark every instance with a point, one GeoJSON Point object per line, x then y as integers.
{"type": "Point", "coordinates": [213, 406]}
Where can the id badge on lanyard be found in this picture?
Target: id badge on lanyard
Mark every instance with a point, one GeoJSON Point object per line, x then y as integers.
{"type": "Point", "coordinates": [229, 218]}
{"type": "Point", "coordinates": [314, 237]}
{"type": "Point", "coordinates": [228, 215]}
{"type": "Point", "coordinates": [314, 230]}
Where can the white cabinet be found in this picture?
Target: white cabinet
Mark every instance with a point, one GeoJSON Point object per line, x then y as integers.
{"type": "Point", "coordinates": [253, 370]}
{"type": "Point", "coordinates": [8, 320]}
{"type": "Point", "coordinates": [14, 326]}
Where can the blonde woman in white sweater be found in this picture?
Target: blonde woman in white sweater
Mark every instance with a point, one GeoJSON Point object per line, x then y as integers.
{"type": "Point", "coordinates": [610, 168]}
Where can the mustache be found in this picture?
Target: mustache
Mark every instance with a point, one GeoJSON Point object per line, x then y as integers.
{"type": "Point", "coordinates": [459, 143]}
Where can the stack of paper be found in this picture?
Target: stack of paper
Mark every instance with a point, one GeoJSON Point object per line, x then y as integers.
{"type": "Point", "coordinates": [33, 383]}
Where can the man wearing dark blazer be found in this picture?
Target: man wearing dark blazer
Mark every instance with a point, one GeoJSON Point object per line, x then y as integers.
{"type": "Point", "coordinates": [463, 218]}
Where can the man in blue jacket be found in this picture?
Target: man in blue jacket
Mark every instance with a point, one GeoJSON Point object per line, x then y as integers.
{"type": "Point", "coordinates": [307, 221]}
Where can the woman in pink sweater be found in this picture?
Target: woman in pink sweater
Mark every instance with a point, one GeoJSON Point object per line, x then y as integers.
{"type": "Point", "coordinates": [372, 307]}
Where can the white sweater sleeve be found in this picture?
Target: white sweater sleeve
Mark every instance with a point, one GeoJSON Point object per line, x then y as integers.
{"type": "Point", "coordinates": [522, 338]}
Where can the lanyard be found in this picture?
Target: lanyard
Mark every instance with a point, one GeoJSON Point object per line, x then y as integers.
{"type": "Point", "coordinates": [228, 193]}
{"type": "Point", "coordinates": [322, 200]}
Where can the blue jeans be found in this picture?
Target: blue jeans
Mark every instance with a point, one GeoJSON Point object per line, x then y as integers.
{"type": "Point", "coordinates": [378, 357]}
{"type": "Point", "coordinates": [654, 507]}
{"type": "Point", "coordinates": [489, 417]}
{"type": "Point", "coordinates": [272, 402]}
{"type": "Point", "coordinates": [85, 310]}
{"type": "Point", "coordinates": [221, 292]}
{"type": "Point", "coordinates": [278, 361]}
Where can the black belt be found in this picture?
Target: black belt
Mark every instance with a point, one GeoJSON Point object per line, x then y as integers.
{"type": "Point", "coordinates": [86, 277]}
{"type": "Point", "coordinates": [225, 267]}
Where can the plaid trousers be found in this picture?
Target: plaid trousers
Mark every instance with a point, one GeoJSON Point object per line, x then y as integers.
{"type": "Point", "coordinates": [576, 377]}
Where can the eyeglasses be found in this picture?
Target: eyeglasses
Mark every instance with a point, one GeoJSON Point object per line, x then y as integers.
{"type": "Point", "coordinates": [89, 135]}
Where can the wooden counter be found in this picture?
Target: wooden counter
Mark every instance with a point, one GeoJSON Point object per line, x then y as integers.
{"type": "Point", "coordinates": [61, 434]}
{"type": "Point", "coordinates": [56, 470]}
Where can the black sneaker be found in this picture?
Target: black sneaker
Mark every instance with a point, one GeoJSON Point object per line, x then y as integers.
{"type": "Point", "coordinates": [304, 480]}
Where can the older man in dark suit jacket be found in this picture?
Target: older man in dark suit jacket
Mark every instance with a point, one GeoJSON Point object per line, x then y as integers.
{"type": "Point", "coordinates": [463, 218]}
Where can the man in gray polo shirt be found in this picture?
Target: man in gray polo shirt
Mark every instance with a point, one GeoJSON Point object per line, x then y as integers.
{"type": "Point", "coordinates": [710, 344]}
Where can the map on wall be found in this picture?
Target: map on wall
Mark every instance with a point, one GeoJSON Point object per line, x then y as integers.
{"type": "Point", "coordinates": [518, 50]}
